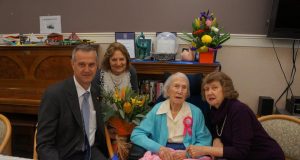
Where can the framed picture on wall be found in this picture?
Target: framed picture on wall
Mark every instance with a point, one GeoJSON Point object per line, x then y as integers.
{"type": "Point", "coordinates": [50, 24]}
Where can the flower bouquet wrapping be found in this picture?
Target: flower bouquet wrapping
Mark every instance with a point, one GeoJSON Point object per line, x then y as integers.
{"type": "Point", "coordinates": [207, 36]}
{"type": "Point", "coordinates": [122, 110]}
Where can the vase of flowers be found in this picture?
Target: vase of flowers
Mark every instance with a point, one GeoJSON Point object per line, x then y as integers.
{"type": "Point", "coordinates": [206, 37]}
{"type": "Point", "coordinates": [122, 110]}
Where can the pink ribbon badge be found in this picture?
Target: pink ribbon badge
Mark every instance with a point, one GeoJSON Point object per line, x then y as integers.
{"type": "Point", "coordinates": [187, 122]}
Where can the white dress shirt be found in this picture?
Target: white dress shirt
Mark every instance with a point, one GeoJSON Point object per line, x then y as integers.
{"type": "Point", "coordinates": [92, 124]}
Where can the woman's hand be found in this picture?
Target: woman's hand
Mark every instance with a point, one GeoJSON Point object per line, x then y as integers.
{"type": "Point", "coordinates": [179, 154]}
{"type": "Point", "coordinates": [165, 153]}
{"type": "Point", "coordinates": [217, 142]}
{"type": "Point", "coordinates": [196, 151]}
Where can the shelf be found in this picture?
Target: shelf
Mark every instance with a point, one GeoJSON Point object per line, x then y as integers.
{"type": "Point", "coordinates": [158, 68]}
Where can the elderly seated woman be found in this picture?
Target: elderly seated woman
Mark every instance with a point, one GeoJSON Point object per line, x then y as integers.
{"type": "Point", "coordinates": [173, 124]}
{"type": "Point", "coordinates": [236, 131]}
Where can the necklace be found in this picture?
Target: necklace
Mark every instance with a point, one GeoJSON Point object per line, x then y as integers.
{"type": "Point", "coordinates": [217, 129]}
{"type": "Point", "coordinates": [116, 80]}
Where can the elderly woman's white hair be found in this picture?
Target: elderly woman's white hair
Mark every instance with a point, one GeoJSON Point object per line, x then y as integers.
{"type": "Point", "coordinates": [170, 80]}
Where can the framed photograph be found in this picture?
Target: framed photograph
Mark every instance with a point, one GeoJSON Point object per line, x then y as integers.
{"type": "Point", "coordinates": [50, 24]}
{"type": "Point", "coordinates": [128, 40]}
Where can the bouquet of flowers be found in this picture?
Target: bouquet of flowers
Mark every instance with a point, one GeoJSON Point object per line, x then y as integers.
{"type": "Point", "coordinates": [123, 106]}
{"type": "Point", "coordinates": [206, 36]}
{"type": "Point", "coordinates": [123, 109]}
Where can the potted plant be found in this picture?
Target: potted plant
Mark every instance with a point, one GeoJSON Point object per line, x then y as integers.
{"type": "Point", "coordinates": [206, 37]}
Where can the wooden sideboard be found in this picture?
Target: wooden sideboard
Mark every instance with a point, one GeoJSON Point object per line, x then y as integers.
{"type": "Point", "coordinates": [26, 71]}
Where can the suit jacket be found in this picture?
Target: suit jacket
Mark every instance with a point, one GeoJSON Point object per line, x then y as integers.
{"type": "Point", "coordinates": [60, 132]}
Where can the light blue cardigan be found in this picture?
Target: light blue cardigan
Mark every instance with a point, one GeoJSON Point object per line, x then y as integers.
{"type": "Point", "coordinates": [152, 133]}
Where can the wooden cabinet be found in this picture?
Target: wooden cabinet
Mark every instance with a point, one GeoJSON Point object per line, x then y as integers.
{"type": "Point", "coordinates": [154, 70]}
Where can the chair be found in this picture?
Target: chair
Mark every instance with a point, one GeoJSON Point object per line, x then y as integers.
{"type": "Point", "coordinates": [5, 136]}
{"type": "Point", "coordinates": [108, 142]}
{"type": "Point", "coordinates": [35, 157]}
{"type": "Point", "coordinates": [286, 131]}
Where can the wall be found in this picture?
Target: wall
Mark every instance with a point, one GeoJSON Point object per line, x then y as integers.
{"type": "Point", "coordinates": [236, 16]}
{"type": "Point", "coordinates": [256, 72]}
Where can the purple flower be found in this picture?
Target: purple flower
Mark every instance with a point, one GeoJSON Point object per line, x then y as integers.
{"type": "Point", "coordinates": [205, 15]}
{"type": "Point", "coordinates": [193, 48]}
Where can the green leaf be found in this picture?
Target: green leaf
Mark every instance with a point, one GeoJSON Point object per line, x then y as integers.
{"type": "Point", "coordinates": [107, 115]}
{"type": "Point", "coordinates": [224, 38]}
{"type": "Point", "coordinates": [186, 37]}
{"type": "Point", "coordinates": [140, 115]}
{"type": "Point", "coordinates": [136, 121]}
{"type": "Point", "coordinates": [122, 114]}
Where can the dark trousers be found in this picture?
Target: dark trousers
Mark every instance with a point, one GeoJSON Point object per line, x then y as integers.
{"type": "Point", "coordinates": [136, 152]}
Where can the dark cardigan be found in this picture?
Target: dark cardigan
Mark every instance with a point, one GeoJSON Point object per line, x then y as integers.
{"type": "Point", "coordinates": [243, 136]}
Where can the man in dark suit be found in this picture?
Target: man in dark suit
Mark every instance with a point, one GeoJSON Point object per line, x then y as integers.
{"type": "Point", "coordinates": [70, 125]}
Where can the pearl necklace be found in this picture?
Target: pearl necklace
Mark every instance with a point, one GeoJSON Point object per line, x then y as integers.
{"type": "Point", "coordinates": [217, 129]}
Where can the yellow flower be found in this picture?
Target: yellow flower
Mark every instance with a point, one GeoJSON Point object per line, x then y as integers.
{"type": "Point", "coordinates": [206, 39]}
{"type": "Point", "coordinates": [203, 49]}
{"type": "Point", "coordinates": [194, 44]}
{"type": "Point", "coordinates": [197, 22]}
{"type": "Point", "coordinates": [141, 103]}
{"type": "Point", "coordinates": [127, 107]}
{"type": "Point", "coordinates": [116, 96]}
{"type": "Point", "coordinates": [126, 104]}
{"type": "Point", "coordinates": [133, 101]}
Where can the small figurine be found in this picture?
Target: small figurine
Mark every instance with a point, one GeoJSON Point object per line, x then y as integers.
{"type": "Point", "coordinates": [74, 37]}
{"type": "Point", "coordinates": [141, 46]}
{"type": "Point", "coordinates": [187, 55]}
{"type": "Point", "coordinates": [23, 39]}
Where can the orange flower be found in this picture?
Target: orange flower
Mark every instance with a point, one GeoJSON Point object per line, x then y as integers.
{"type": "Point", "coordinates": [123, 93]}
{"type": "Point", "coordinates": [127, 107]}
